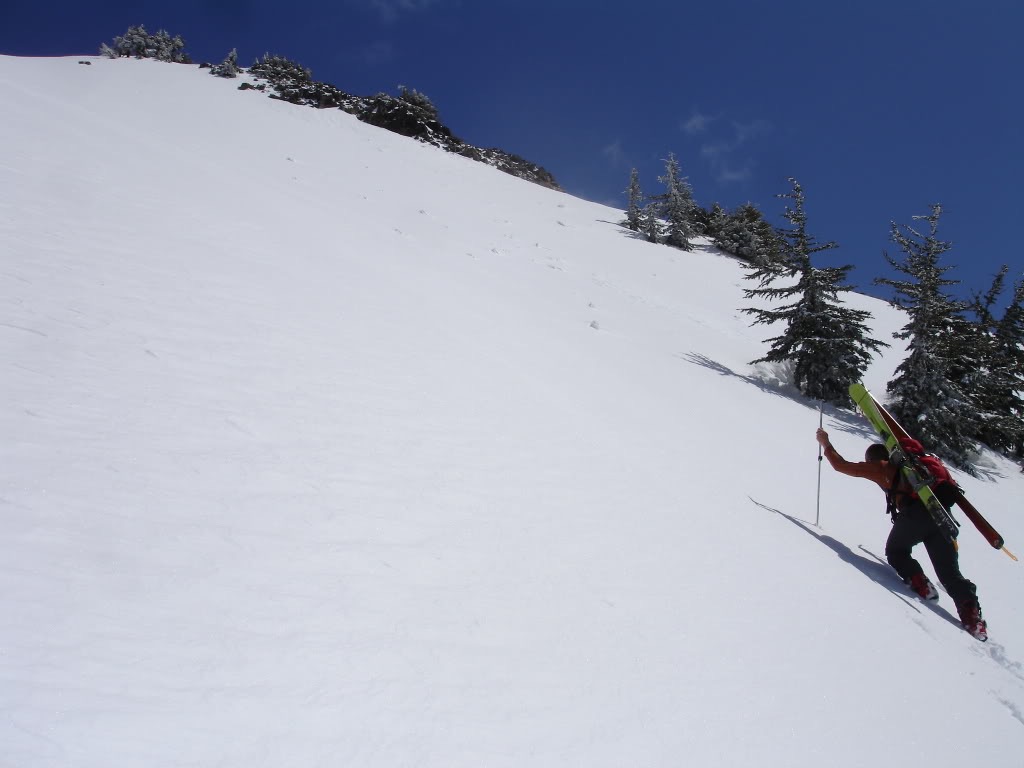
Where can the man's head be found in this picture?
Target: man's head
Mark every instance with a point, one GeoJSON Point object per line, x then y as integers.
{"type": "Point", "coordinates": [876, 452]}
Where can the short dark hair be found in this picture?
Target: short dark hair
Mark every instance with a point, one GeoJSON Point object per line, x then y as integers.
{"type": "Point", "coordinates": [876, 452]}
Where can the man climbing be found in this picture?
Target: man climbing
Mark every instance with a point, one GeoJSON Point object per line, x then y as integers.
{"type": "Point", "coordinates": [912, 525]}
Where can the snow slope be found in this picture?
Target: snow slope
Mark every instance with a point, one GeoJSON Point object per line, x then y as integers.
{"type": "Point", "coordinates": [322, 447]}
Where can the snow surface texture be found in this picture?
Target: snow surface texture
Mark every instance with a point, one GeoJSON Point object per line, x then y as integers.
{"type": "Point", "coordinates": [322, 447]}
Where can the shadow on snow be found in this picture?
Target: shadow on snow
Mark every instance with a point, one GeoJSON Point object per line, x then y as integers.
{"type": "Point", "coordinates": [845, 420]}
{"type": "Point", "coordinates": [873, 567]}
{"type": "Point", "coordinates": [842, 420]}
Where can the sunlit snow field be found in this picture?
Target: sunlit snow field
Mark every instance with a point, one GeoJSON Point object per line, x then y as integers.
{"type": "Point", "coordinates": [322, 447]}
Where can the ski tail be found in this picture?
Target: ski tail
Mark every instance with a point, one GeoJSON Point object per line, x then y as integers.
{"type": "Point", "coordinates": [984, 527]}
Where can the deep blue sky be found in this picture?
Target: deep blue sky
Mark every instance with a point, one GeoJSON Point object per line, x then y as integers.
{"type": "Point", "coordinates": [879, 108]}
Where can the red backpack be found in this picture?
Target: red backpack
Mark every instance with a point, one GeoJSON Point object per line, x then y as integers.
{"type": "Point", "coordinates": [942, 483]}
{"type": "Point", "coordinates": [932, 464]}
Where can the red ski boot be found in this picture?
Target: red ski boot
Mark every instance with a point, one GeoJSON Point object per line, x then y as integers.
{"type": "Point", "coordinates": [970, 617]}
{"type": "Point", "coordinates": [920, 584]}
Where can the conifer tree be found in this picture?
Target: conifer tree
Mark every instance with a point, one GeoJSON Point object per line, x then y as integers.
{"type": "Point", "coordinates": [167, 48]}
{"type": "Point", "coordinates": [139, 43]}
{"type": "Point", "coordinates": [745, 233]}
{"type": "Point", "coordinates": [715, 221]}
{"type": "Point", "coordinates": [1010, 351]}
{"type": "Point", "coordinates": [925, 394]}
{"type": "Point", "coordinates": [651, 224]}
{"type": "Point", "coordinates": [975, 367]}
{"type": "Point", "coordinates": [826, 341]}
{"type": "Point", "coordinates": [677, 207]}
{"type": "Point", "coordinates": [418, 100]}
{"type": "Point", "coordinates": [634, 210]}
{"type": "Point", "coordinates": [228, 67]}
{"type": "Point", "coordinates": [134, 42]}
{"type": "Point", "coordinates": [1003, 390]}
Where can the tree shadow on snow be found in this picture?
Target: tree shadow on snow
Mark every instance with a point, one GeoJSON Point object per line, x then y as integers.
{"type": "Point", "coordinates": [873, 567]}
{"type": "Point", "coordinates": [724, 370]}
{"type": "Point", "coordinates": [845, 420]}
{"type": "Point", "coordinates": [841, 420]}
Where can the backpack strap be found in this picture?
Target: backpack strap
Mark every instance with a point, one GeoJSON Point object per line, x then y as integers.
{"type": "Point", "coordinates": [897, 459]}
{"type": "Point", "coordinates": [890, 501]}
{"type": "Point", "coordinates": [945, 488]}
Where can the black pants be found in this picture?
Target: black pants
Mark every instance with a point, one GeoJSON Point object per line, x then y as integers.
{"type": "Point", "coordinates": [913, 526]}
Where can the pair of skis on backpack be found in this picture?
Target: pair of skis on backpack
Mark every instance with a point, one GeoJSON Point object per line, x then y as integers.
{"type": "Point", "coordinates": [920, 479]}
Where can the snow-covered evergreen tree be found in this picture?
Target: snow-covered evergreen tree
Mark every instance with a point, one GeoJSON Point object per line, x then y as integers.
{"type": "Point", "coordinates": [282, 71]}
{"type": "Point", "coordinates": [714, 222]}
{"type": "Point", "coordinates": [634, 208]}
{"type": "Point", "coordinates": [139, 43]}
{"type": "Point", "coordinates": [975, 368]}
{"type": "Point", "coordinates": [745, 233]}
{"type": "Point", "coordinates": [418, 100]}
{"type": "Point", "coordinates": [167, 48]}
{"type": "Point", "coordinates": [132, 43]}
{"type": "Point", "coordinates": [651, 224]}
{"type": "Point", "coordinates": [926, 397]}
{"type": "Point", "coordinates": [999, 393]}
{"type": "Point", "coordinates": [826, 341]}
{"type": "Point", "coordinates": [228, 67]}
{"type": "Point", "coordinates": [677, 207]}
{"type": "Point", "coordinates": [1009, 360]}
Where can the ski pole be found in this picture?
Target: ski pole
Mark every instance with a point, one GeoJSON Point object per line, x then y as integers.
{"type": "Point", "coordinates": [821, 423]}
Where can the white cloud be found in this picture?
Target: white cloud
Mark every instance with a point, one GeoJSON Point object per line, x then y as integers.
{"type": "Point", "coordinates": [390, 10]}
{"type": "Point", "coordinates": [377, 53]}
{"type": "Point", "coordinates": [698, 123]}
{"type": "Point", "coordinates": [615, 154]}
{"type": "Point", "coordinates": [728, 174]}
{"type": "Point", "coordinates": [725, 155]}
{"type": "Point", "coordinates": [747, 131]}
{"type": "Point", "coordinates": [715, 151]}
